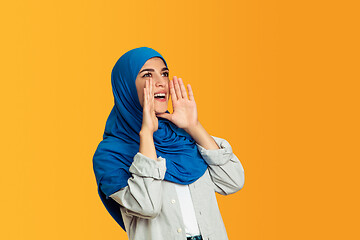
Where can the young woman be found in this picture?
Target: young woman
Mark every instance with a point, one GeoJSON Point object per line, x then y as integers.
{"type": "Point", "coordinates": [157, 172]}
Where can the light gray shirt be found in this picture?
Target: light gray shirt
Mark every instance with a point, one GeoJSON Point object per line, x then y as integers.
{"type": "Point", "coordinates": [149, 204]}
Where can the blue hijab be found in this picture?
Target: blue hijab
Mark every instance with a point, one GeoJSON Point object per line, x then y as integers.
{"type": "Point", "coordinates": [115, 153]}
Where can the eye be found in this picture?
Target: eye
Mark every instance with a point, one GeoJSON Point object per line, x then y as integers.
{"type": "Point", "coordinates": [166, 74]}
{"type": "Point", "coordinates": [147, 75]}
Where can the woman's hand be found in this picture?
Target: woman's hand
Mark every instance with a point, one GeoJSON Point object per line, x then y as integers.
{"type": "Point", "coordinates": [185, 112]}
{"type": "Point", "coordinates": [150, 122]}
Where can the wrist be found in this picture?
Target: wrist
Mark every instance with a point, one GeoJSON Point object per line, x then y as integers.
{"type": "Point", "coordinates": [147, 147]}
{"type": "Point", "coordinates": [193, 128]}
{"type": "Point", "coordinates": [145, 132]}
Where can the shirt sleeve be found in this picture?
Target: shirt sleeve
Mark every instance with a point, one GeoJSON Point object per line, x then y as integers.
{"type": "Point", "coordinates": [226, 171]}
{"type": "Point", "coordinates": [142, 196]}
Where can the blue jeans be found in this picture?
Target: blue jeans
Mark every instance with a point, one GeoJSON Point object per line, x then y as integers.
{"type": "Point", "coordinates": [198, 237]}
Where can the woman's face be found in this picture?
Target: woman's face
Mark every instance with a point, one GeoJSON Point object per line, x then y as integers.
{"type": "Point", "coordinates": [154, 68]}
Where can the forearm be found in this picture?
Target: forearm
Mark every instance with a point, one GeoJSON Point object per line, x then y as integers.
{"type": "Point", "coordinates": [201, 136]}
{"type": "Point", "coordinates": [142, 196]}
{"type": "Point", "coordinates": [147, 146]}
{"type": "Point", "coordinates": [227, 173]}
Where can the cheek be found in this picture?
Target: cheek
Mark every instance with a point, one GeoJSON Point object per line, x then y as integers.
{"type": "Point", "coordinates": [140, 91]}
{"type": "Point", "coordinates": [141, 96]}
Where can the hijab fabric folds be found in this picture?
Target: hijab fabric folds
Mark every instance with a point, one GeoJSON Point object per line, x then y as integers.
{"type": "Point", "coordinates": [114, 154]}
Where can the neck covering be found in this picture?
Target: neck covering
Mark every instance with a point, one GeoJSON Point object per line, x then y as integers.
{"type": "Point", "coordinates": [115, 153]}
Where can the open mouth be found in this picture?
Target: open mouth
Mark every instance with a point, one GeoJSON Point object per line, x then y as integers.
{"type": "Point", "coordinates": [160, 96]}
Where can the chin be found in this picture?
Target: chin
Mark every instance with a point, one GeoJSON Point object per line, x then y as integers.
{"type": "Point", "coordinates": [161, 108]}
{"type": "Point", "coordinates": [160, 111]}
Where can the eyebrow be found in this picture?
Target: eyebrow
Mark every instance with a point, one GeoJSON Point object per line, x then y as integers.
{"type": "Point", "coordinates": [152, 70]}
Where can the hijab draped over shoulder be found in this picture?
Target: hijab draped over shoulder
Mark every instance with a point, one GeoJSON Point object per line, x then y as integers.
{"type": "Point", "coordinates": [114, 154]}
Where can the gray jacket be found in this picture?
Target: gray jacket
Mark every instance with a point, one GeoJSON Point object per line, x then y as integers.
{"type": "Point", "coordinates": [149, 205]}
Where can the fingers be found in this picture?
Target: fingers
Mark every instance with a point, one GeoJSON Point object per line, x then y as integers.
{"type": "Point", "coordinates": [172, 91]}
{"type": "Point", "coordinates": [146, 97]}
{"type": "Point", "coordinates": [191, 94]}
{"type": "Point", "coordinates": [151, 87]}
{"type": "Point", "coordinates": [151, 94]}
{"type": "Point", "coordinates": [177, 88]}
{"type": "Point", "coordinates": [167, 116]}
{"type": "Point", "coordinates": [182, 88]}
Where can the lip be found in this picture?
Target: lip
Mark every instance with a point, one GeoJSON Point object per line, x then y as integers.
{"type": "Point", "coordinates": [160, 92]}
{"type": "Point", "coordinates": [161, 99]}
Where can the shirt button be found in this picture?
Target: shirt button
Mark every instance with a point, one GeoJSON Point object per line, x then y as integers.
{"type": "Point", "coordinates": [173, 201]}
{"type": "Point", "coordinates": [179, 230]}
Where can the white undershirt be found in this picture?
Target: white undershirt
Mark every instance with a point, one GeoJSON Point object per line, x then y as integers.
{"type": "Point", "coordinates": [187, 210]}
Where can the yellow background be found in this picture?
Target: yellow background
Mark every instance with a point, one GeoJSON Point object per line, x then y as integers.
{"type": "Point", "coordinates": [277, 79]}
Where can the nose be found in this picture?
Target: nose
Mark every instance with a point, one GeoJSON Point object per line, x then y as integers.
{"type": "Point", "coordinates": [160, 81]}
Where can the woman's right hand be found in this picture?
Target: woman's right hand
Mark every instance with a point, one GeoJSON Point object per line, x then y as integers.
{"type": "Point", "coordinates": [150, 121]}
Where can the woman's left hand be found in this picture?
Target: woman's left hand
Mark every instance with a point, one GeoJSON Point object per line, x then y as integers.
{"type": "Point", "coordinates": [185, 112]}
